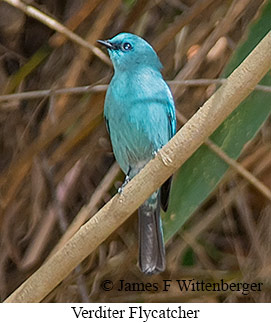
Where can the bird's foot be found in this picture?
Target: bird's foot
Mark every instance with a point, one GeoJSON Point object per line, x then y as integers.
{"type": "Point", "coordinates": [126, 181]}
{"type": "Point", "coordinates": [154, 153]}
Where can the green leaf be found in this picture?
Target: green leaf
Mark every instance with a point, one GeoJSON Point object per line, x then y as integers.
{"type": "Point", "coordinates": [199, 176]}
{"type": "Point", "coordinates": [188, 258]}
{"type": "Point", "coordinates": [129, 3]}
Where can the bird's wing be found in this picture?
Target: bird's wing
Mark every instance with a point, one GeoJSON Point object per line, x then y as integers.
{"type": "Point", "coordinates": [171, 114]}
{"type": "Point", "coordinates": [165, 188]}
{"type": "Point", "coordinates": [107, 124]}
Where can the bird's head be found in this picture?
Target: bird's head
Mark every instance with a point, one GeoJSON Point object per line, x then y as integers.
{"type": "Point", "coordinates": [128, 51]}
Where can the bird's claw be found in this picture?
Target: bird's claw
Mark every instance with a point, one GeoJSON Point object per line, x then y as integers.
{"type": "Point", "coordinates": [154, 153]}
{"type": "Point", "coordinates": [126, 181]}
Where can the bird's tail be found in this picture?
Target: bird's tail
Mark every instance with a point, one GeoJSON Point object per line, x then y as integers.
{"type": "Point", "coordinates": [151, 243]}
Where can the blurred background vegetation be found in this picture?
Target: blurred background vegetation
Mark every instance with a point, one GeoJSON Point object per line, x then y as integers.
{"type": "Point", "coordinates": [56, 157]}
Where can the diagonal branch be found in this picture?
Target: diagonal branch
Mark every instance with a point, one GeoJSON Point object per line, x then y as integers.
{"type": "Point", "coordinates": [55, 25]}
{"type": "Point", "coordinates": [237, 87]}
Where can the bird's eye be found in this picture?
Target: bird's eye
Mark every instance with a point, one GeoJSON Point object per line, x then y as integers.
{"type": "Point", "coordinates": [127, 46]}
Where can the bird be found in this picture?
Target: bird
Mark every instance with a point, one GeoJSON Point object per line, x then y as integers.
{"type": "Point", "coordinates": [140, 117]}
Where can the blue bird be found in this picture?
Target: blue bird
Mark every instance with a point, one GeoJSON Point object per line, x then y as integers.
{"type": "Point", "coordinates": [140, 116]}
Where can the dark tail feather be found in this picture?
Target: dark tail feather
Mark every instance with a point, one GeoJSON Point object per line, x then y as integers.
{"type": "Point", "coordinates": [151, 243]}
{"type": "Point", "coordinates": [165, 190]}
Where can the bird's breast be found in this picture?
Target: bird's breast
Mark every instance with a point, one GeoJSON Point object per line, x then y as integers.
{"type": "Point", "coordinates": [138, 122]}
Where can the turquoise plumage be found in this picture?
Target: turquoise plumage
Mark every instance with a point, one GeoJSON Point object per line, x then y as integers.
{"type": "Point", "coordinates": [140, 116]}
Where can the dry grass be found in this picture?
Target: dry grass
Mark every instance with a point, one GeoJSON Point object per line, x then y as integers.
{"type": "Point", "coordinates": [56, 155]}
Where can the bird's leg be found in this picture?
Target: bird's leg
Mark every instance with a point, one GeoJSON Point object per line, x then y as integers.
{"type": "Point", "coordinates": [126, 180]}
{"type": "Point", "coordinates": [120, 189]}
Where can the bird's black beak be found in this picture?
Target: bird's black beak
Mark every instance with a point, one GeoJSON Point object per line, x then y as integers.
{"type": "Point", "coordinates": [107, 44]}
